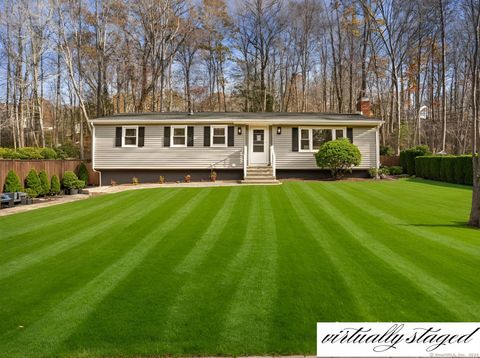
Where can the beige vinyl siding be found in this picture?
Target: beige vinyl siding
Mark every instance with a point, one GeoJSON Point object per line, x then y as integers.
{"type": "Point", "coordinates": [155, 156]}
{"type": "Point", "coordinates": [363, 137]}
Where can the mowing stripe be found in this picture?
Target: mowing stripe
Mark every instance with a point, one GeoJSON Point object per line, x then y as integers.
{"type": "Point", "coordinates": [67, 315]}
{"type": "Point", "coordinates": [465, 308]}
{"type": "Point", "coordinates": [348, 274]}
{"type": "Point", "coordinates": [208, 240]}
{"type": "Point", "coordinates": [444, 240]}
{"type": "Point", "coordinates": [192, 261]}
{"type": "Point", "coordinates": [132, 213]}
{"type": "Point", "coordinates": [54, 216]}
{"type": "Point", "coordinates": [257, 290]}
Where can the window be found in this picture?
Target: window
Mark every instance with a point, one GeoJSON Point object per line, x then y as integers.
{"type": "Point", "coordinates": [179, 136]}
{"type": "Point", "coordinates": [130, 136]}
{"type": "Point", "coordinates": [219, 136]}
{"type": "Point", "coordinates": [312, 138]}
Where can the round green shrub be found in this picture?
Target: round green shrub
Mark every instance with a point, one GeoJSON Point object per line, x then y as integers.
{"type": "Point", "coordinates": [55, 185]}
{"type": "Point", "coordinates": [339, 156]}
{"type": "Point", "coordinates": [45, 183]}
{"type": "Point", "coordinates": [12, 183]}
{"type": "Point", "coordinates": [48, 153]}
{"type": "Point", "coordinates": [32, 182]}
{"type": "Point", "coordinates": [69, 180]}
{"type": "Point", "coordinates": [83, 172]}
{"type": "Point", "coordinates": [68, 150]}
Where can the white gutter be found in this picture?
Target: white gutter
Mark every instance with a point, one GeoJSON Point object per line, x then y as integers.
{"type": "Point", "coordinates": [276, 122]}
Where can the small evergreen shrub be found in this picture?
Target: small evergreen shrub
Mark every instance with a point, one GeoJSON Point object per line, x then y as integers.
{"type": "Point", "coordinates": [339, 156]}
{"type": "Point", "coordinates": [407, 158]}
{"type": "Point", "coordinates": [29, 153]}
{"type": "Point", "coordinates": [386, 150]}
{"type": "Point", "coordinates": [83, 172]}
{"type": "Point", "coordinates": [69, 180]}
{"type": "Point", "coordinates": [48, 153]}
{"type": "Point", "coordinates": [373, 172]}
{"type": "Point", "coordinates": [12, 183]}
{"type": "Point", "coordinates": [8, 153]}
{"type": "Point", "coordinates": [55, 185]}
{"type": "Point", "coordinates": [68, 150]}
{"type": "Point", "coordinates": [32, 182]}
{"type": "Point", "coordinates": [80, 184]}
{"type": "Point", "coordinates": [395, 170]}
{"type": "Point", "coordinates": [44, 182]}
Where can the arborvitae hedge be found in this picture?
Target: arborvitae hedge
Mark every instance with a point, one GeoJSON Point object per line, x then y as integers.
{"type": "Point", "coordinates": [407, 158]}
{"type": "Point", "coordinates": [449, 168]}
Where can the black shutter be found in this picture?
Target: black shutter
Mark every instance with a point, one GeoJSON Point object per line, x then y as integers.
{"type": "Point", "coordinates": [190, 136]}
{"type": "Point", "coordinates": [206, 136]}
{"type": "Point", "coordinates": [166, 136]}
{"type": "Point", "coordinates": [231, 136]}
{"type": "Point", "coordinates": [141, 136]}
{"type": "Point", "coordinates": [118, 136]}
{"type": "Point", "coordinates": [294, 139]}
{"type": "Point", "coordinates": [350, 134]}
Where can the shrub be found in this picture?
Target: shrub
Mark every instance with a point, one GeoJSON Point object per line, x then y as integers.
{"type": "Point", "coordinates": [31, 193]}
{"type": "Point", "coordinates": [29, 153]}
{"type": "Point", "coordinates": [339, 156]}
{"type": "Point", "coordinates": [395, 170]}
{"type": "Point", "coordinates": [135, 181]}
{"type": "Point", "coordinates": [8, 153]}
{"type": "Point", "coordinates": [452, 169]}
{"type": "Point", "coordinates": [386, 150]}
{"type": "Point", "coordinates": [373, 172]}
{"type": "Point", "coordinates": [468, 167]}
{"type": "Point", "coordinates": [12, 183]}
{"type": "Point", "coordinates": [55, 185]}
{"type": "Point", "coordinates": [68, 150]}
{"type": "Point", "coordinates": [32, 182]}
{"type": "Point", "coordinates": [69, 180]}
{"type": "Point", "coordinates": [407, 158]}
{"type": "Point", "coordinates": [48, 153]}
{"type": "Point", "coordinates": [83, 172]}
{"type": "Point", "coordinates": [44, 183]}
{"type": "Point", "coordinates": [79, 184]}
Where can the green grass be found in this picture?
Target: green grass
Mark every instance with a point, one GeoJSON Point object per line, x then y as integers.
{"type": "Point", "coordinates": [233, 270]}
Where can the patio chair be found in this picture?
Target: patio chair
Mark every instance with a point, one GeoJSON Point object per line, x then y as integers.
{"type": "Point", "coordinates": [6, 201]}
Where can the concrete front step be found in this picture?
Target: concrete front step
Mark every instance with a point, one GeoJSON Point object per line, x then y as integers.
{"type": "Point", "coordinates": [259, 181]}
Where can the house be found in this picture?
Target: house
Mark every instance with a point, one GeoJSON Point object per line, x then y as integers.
{"type": "Point", "coordinates": [250, 146]}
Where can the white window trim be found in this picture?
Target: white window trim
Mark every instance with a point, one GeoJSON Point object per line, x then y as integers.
{"type": "Point", "coordinates": [172, 131]}
{"type": "Point", "coordinates": [310, 137]}
{"type": "Point", "coordinates": [225, 127]}
{"type": "Point", "coordinates": [124, 128]}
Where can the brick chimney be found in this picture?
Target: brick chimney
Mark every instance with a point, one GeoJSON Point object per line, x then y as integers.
{"type": "Point", "coordinates": [363, 106]}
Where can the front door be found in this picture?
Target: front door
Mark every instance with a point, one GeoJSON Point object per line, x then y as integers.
{"type": "Point", "coordinates": [258, 146]}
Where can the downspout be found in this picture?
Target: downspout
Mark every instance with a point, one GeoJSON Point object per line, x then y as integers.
{"type": "Point", "coordinates": [93, 156]}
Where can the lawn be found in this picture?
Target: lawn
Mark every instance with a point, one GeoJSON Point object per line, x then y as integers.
{"type": "Point", "coordinates": [233, 270]}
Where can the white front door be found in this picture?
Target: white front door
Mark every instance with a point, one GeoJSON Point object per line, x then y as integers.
{"type": "Point", "coordinates": [258, 146]}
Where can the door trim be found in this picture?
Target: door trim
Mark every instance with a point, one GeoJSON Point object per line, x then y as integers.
{"type": "Point", "coordinates": [266, 147]}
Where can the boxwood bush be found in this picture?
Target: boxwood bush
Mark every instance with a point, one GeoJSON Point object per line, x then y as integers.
{"type": "Point", "coordinates": [451, 169]}
{"type": "Point", "coordinates": [339, 156]}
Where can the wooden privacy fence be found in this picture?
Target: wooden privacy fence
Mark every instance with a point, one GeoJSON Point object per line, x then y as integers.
{"type": "Point", "coordinates": [390, 160]}
{"type": "Point", "coordinates": [57, 167]}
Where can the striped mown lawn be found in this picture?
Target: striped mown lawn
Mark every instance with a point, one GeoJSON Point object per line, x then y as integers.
{"type": "Point", "coordinates": [233, 270]}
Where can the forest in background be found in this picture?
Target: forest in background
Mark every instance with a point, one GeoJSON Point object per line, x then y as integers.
{"type": "Point", "coordinates": [63, 62]}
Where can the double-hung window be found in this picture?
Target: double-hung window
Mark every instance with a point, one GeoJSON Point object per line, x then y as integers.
{"type": "Point", "coordinates": [178, 136]}
{"type": "Point", "coordinates": [312, 138]}
{"type": "Point", "coordinates": [130, 136]}
{"type": "Point", "coordinates": [218, 136]}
